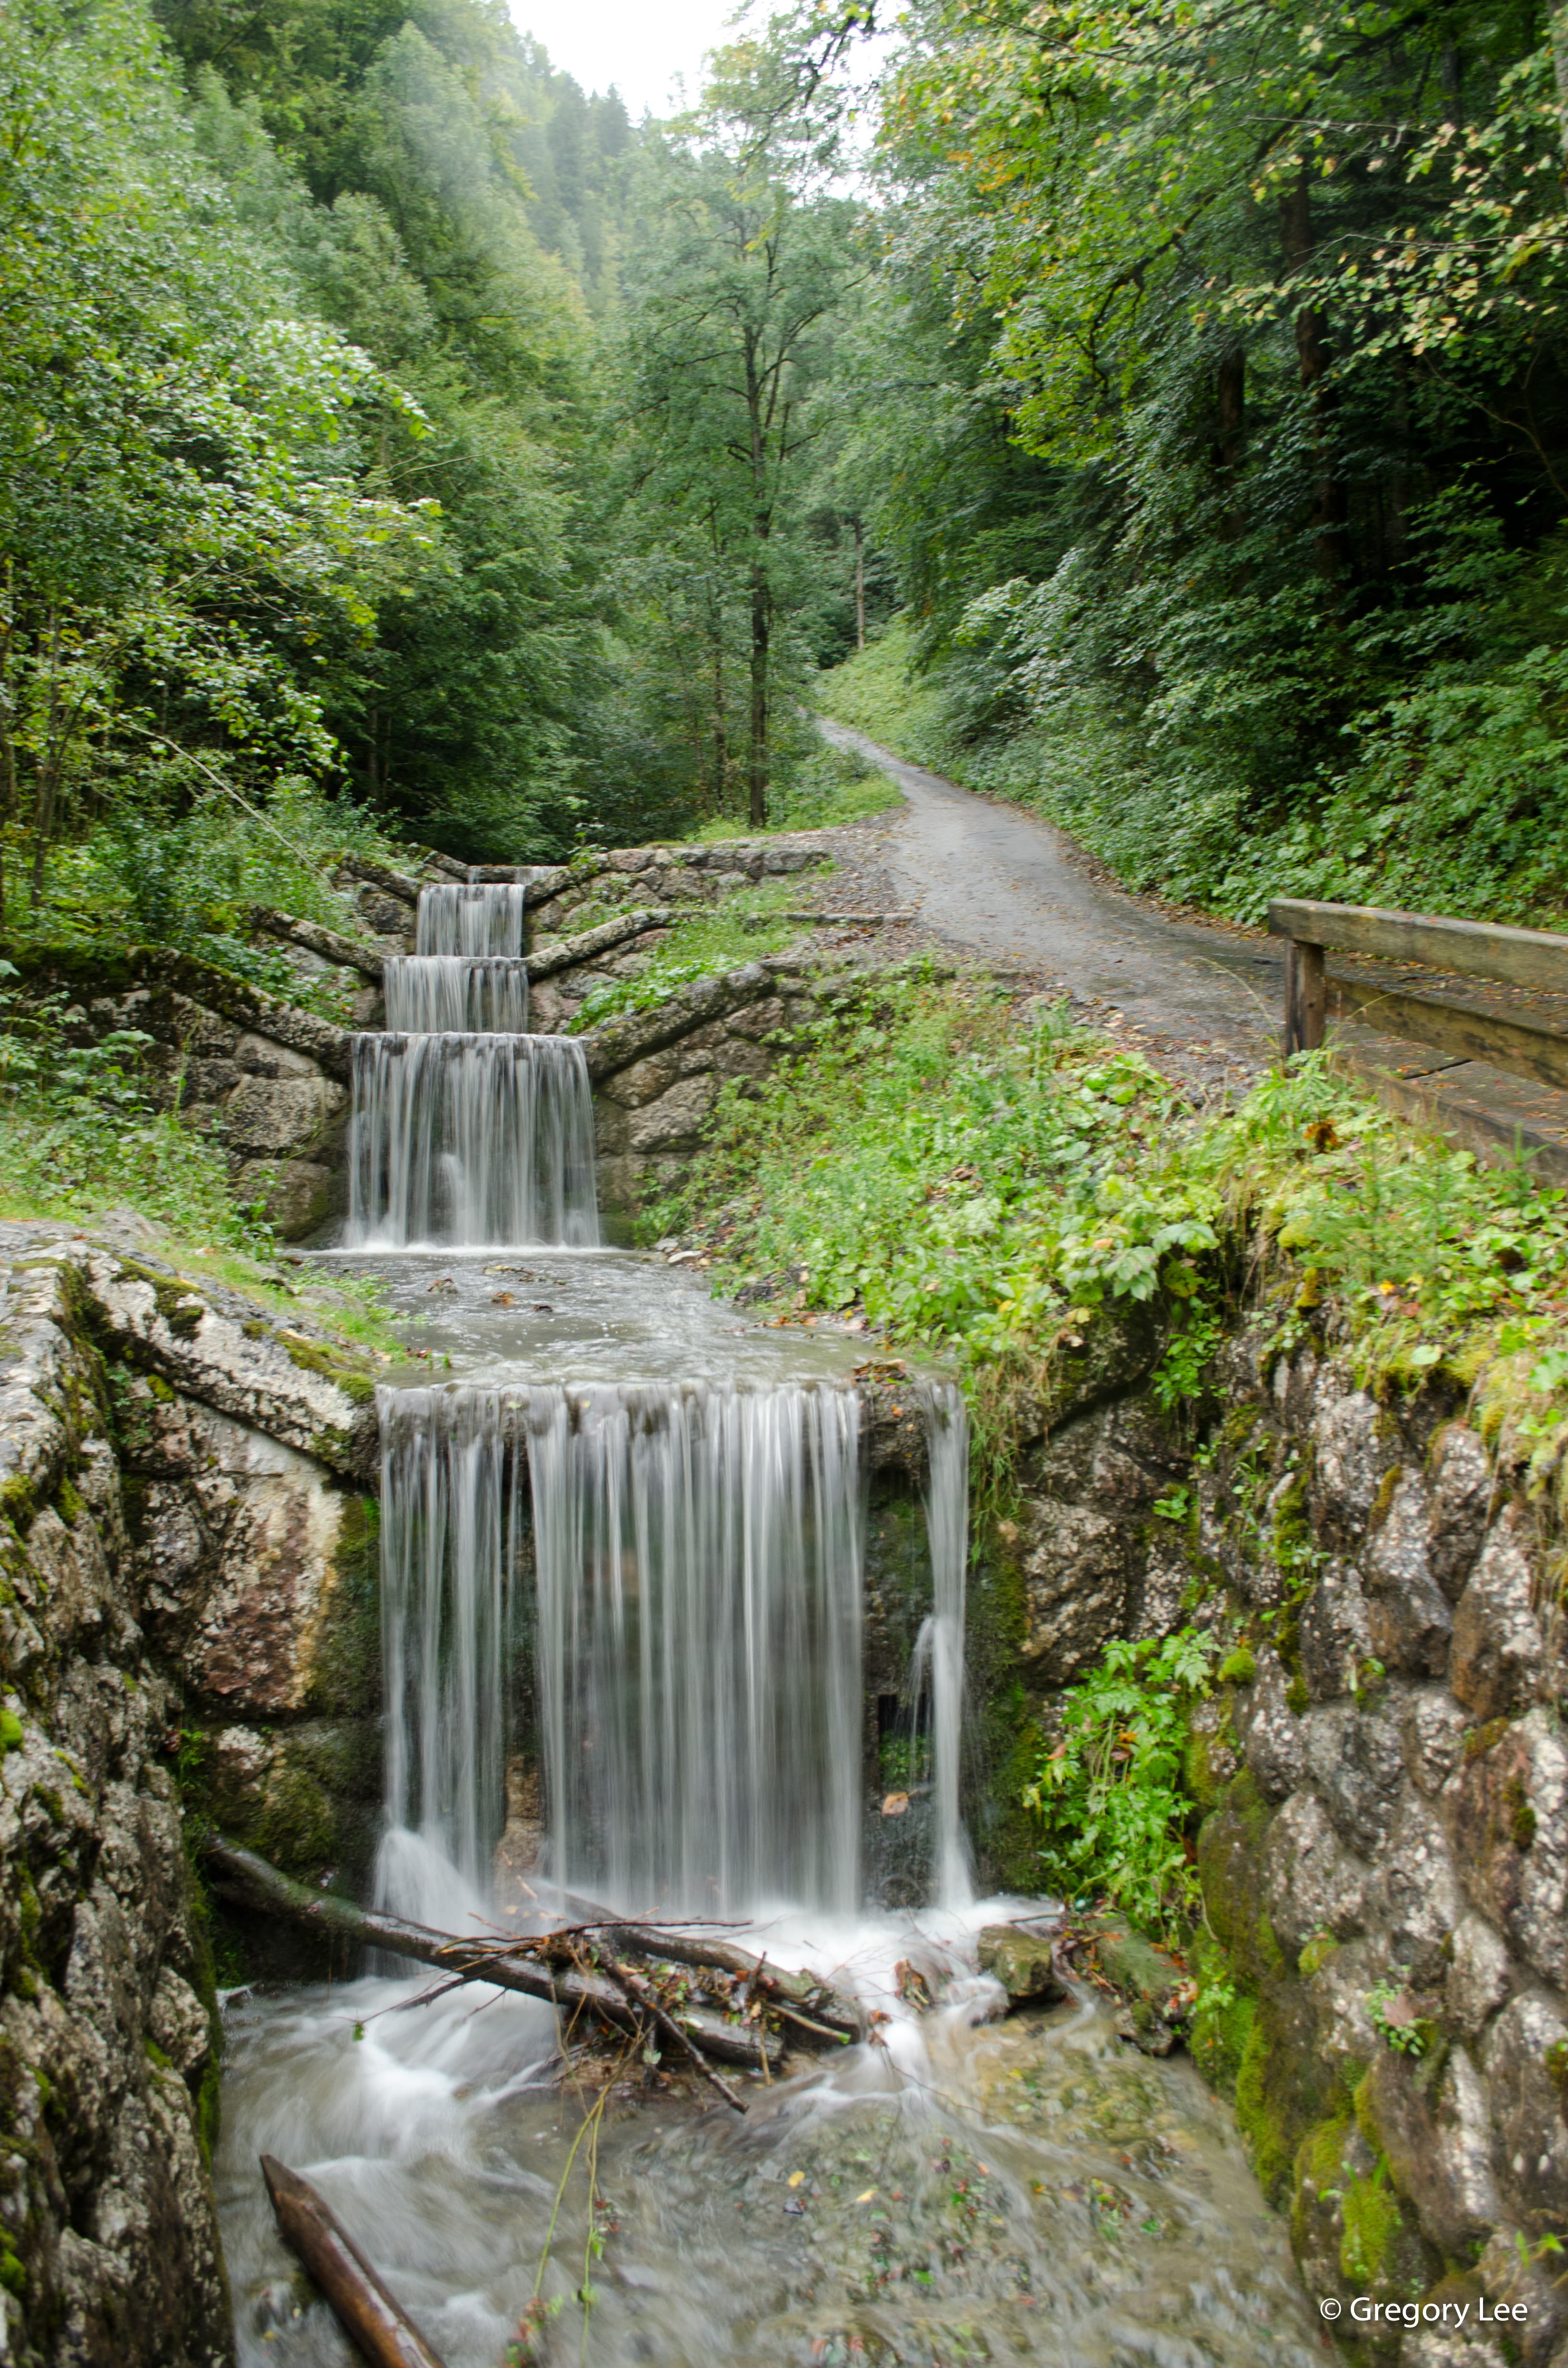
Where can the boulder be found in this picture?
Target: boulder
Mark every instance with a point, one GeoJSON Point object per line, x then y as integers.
{"type": "Point", "coordinates": [1021, 1961]}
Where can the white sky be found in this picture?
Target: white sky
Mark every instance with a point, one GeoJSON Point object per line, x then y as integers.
{"type": "Point", "coordinates": [639, 45]}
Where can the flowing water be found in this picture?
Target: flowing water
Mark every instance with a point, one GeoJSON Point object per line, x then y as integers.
{"type": "Point", "coordinates": [430, 995]}
{"type": "Point", "coordinates": [622, 1535]}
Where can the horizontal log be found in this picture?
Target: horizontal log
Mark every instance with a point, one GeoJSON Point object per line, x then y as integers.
{"type": "Point", "coordinates": [373, 2319]}
{"type": "Point", "coordinates": [241, 1874]}
{"type": "Point", "coordinates": [318, 939]}
{"type": "Point", "coordinates": [564, 953]}
{"type": "Point", "coordinates": [1535, 958]}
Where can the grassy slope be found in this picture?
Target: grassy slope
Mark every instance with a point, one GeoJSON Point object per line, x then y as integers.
{"type": "Point", "coordinates": [986, 1192]}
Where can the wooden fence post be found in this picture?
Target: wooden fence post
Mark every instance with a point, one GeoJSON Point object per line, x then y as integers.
{"type": "Point", "coordinates": [1306, 997]}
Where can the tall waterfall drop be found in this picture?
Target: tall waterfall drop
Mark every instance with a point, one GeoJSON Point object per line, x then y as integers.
{"type": "Point", "coordinates": [946, 1423]}
{"type": "Point", "coordinates": [695, 1614]}
{"type": "Point", "coordinates": [467, 1132]}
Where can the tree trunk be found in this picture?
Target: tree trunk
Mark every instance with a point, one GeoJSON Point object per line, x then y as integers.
{"type": "Point", "coordinates": [720, 729]}
{"type": "Point", "coordinates": [1313, 355]}
{"type": "Point", "coordinates": [1230, 404]}
{"type": "Point", "coordinates": [860, 586]}
{"type": "Point", "coordinates": [761, 628]}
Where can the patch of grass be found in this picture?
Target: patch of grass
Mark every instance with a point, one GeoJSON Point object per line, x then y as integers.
{"type": "Point", "coordinates": [877, 691]}
{"type": "Point", "coordinates": [985, 1189]}
{"type": "Point", "coordinates": [704, 943]}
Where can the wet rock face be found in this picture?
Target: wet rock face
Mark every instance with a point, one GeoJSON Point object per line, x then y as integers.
{"type": "Point", "coordinates": [108, 2021]}
{"type": "Point", "coordinates": [186, 1615]}
{"type": "Point", "coordinates": [1387, 1873]}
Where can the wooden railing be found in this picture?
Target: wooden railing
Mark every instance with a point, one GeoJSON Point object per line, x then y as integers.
{"type": "Point", "coordinates": [1533, 1045]}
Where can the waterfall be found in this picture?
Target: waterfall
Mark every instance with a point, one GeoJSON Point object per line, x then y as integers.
{"type": "Point", "coordinates": [448, 1529]}
{"type": "Point", "coordinates": [695, 1609]}
{"type": "Point", "coordinates": [430, 995]}
{"type": "Point", "coordinates": [946, 1422]}
{"type": "Point", "coordinates": [475, 921]}
{"type": "Point", "coordinates": [470, 1140]}
{"type": "Point", "coordinates": [699, 1568]}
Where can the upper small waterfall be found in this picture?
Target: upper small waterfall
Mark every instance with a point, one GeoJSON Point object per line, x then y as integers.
{"type": "Point", "coordinates": [435, 993]}
{"type": "Point", "coordinates": [466, 1132]}
{"type": "Point", "coordinates": [486, 918]}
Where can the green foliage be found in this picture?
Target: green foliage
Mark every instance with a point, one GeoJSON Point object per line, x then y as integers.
{"type": "Point", "coordinates": [1392, 2016]}
{"type": "Point", "coordinates": [1109, 1793]}
{"type": "Point", "coordinates": [1214, 432]}
{"type": "Point", "coordinates": [700, 944]}
{"type": "Point", "coordinates": [79, 1136]}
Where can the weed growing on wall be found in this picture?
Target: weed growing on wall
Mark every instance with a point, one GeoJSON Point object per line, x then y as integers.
{"type": "Point", "coordinates": [1109, 1793]}
{"type": "Point", "coordinates": [702, 944]}
{"type": "Point", "coordinates": [79, 1136]}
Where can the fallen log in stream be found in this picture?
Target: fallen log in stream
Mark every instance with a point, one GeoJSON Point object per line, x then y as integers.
{"type": "Point", "coordinates": [377, 2324]}
{"type": "Point", "coordinates": [580, 1970]}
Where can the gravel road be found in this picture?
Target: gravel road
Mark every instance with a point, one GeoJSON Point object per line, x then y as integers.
{"type": "Point", "coordinates": [991, 881]}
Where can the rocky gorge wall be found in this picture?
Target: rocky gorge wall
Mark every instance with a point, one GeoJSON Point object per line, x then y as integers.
{"type": "Point", "coordinates": [1384, 1849]}
{"type": "Point", "coordinates": [184, 1623]}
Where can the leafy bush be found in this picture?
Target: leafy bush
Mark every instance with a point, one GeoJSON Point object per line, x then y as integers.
{"type": "Point", "coordinates": [1109, 1793]}
{"type": "Point", "coordinates": [78, 1133]}
{"type": "Point", "coordinates": [701, 944]}
{"type": "Point", "coordinates": [979, 1188]}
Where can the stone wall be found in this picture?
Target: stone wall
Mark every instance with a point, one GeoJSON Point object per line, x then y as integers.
{"type": "Point", "coordinates": [1385, 1859]}
{"type": "Point", "coordinates": [183, 1534]}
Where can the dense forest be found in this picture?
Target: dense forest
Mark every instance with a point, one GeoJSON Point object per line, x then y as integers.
{"type": "Point", "coordinates": [394, 439]}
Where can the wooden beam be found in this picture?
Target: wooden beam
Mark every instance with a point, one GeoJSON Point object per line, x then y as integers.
{"type": "Point", "coordinates": [1533, 958]}
{"type": "Point", "coordinates": [1306, 997]}
{"type": "Point", "coordinates": [1517, 1042]}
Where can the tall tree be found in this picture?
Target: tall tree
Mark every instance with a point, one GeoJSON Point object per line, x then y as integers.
{"type": "Point", "coordinates": [733, 284]}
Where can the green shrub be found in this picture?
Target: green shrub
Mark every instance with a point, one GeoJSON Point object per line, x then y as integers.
{"type": "Point", "coordinates": [1109, 1793]}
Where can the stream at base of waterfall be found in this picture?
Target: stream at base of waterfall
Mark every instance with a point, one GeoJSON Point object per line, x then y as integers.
{"type": "Point", "coordinates": [623, 1542]}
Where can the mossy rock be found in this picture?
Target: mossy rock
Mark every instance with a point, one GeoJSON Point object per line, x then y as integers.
{"type": "Point", "coordinates": [1021, 1961]}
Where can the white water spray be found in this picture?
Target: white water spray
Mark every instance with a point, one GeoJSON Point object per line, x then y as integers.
{"type": "Point", "coordinates": [696, 1648]}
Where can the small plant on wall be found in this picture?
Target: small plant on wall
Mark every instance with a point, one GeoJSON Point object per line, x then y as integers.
{"type": "Point", "coordinates": [1109, 1793]}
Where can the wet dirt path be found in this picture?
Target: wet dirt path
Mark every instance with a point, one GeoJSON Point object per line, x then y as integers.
{"type": "Point", "coordinates": [999, 883]}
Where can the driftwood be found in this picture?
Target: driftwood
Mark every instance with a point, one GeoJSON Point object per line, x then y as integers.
{"type": "Point", "coordinates": [377, 2325]}
{"type": "Point", "coordinates": [800, 1997]}
{"type": "Point", "coordinates": [533, 1967]}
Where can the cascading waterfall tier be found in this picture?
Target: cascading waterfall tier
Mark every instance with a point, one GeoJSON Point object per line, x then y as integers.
{"type": "Point", "coordinates": [695, 1614]}
{"type": "Point", "coordinates": [945, 1420]}
{"type": "Point", "coordinates": [466, 1132]}
{"type": "Point", "coordinates": [486, 918]}
{"type": "Point", "coordinates": [471, 1141]}
{"type": "Point", "coordinates": [456, 993]}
